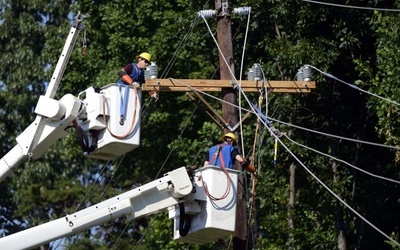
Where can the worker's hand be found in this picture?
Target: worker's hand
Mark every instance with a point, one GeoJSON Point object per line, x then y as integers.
{"type": "Point", "coordinates": [136, 84]}
{"type": "Point", "coordinates": [154, 94]}
{"type": "Point", "coordinates": [250, 168]}
{"type": "Point", "coordinates": [246, 165]}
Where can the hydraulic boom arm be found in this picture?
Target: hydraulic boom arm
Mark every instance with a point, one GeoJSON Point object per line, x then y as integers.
{"type": "Point", "coordinates": [52, 116]}
{"type": "Point", "coordinates": [174, 188]}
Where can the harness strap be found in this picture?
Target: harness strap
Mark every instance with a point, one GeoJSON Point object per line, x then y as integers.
{"type": "Point", "coordinates": [218, 153]}
{"type": "Point", "coordinates": [221, 158]}
{"type": "Point", "coordinates": [214, 157]}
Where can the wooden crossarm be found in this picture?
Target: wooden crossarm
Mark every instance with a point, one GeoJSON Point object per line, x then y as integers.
{"type": "Point", "coordinates": [171, 85]}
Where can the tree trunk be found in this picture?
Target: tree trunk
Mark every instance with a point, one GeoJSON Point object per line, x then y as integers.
{"type": "Point", "coordinates": [292, 200]}
{"type": "Point", "coordinates": [341, 238]}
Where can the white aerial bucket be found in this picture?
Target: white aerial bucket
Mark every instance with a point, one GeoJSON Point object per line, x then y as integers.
{"type": "Point", "coordinates": [210, 219]}
{"type": "Point", "coordinates": [113, 117]}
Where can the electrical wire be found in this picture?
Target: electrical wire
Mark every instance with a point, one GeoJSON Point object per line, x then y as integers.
{"type": "Point", "coordinates": [174, 147]}
{"type": "Point", "coordinates": [89, 194]}
{"type": "Point", "coordinates": [240, 77]}
{"type": "Point", "coordinates": [352, 85]}
{"type": "Point", "coordinates": [336, 136]}
{"type": "Point", "coordinates": [351, 6]}
{"type": "Point", "coordinates": [204, 145]}
{"type": "Point", "coordinates": [180, 46]}
{"type": "Point", "coordinates": [336, 196]}
{"type": "Point", "coordinates": [263, 120]}
{"type": "Point", "coordinates": [286, 123]}
{"type": "Point", "coordinates": [342, 161]}
{"type": "Point", "coordinates": [316, 178]}
{"type": "Point", "coordinates": [145, 232]}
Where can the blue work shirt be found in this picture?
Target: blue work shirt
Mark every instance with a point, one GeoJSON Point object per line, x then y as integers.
{"type": "Point", "coordinates": [134, 72]}
{"type": "Point", "coordinates": [227, 152]}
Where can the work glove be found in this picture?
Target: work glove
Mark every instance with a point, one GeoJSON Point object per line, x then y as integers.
{"type": "Point", "coordinates": [246, 165]}
{"type": "Point", "coordinates": [136, 84]}
{"type": "Point", "coordinates": [251, 168]}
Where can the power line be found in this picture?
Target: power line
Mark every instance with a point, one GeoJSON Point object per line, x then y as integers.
{"type": "Point", "coordinates": [342, 161]}
{"type": "Point", "coordinates": [351, 6]}
{"type": "Point", "coordinates": [352, 85]}
{"type": "Point", "coordinates": [336, 136]}
{"type": "Point", "coordinates": [262, 119]}
{"type": "Point", "coordinates": [241, 70]}
{"type": "Point", "coordinates": [335, 195]}
{"type": "Point", "coordinates": [286, 123]}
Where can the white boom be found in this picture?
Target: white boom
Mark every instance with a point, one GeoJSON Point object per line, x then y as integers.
{"type": "Point", "coordinates": [208, 219]}
{"type": "Point", "coordinates": [52, 116]}
{"type": "Point", "coordinates": [107, 119]}
{"type": "Point", "coordinates": [150, 198]}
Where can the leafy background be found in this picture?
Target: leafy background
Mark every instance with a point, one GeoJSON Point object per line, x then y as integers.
{"type": "Point", "coordinates": [357, 45]}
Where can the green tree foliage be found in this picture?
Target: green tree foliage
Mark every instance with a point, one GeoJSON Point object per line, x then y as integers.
{"type": "Point", "coordinates": [358, 46]}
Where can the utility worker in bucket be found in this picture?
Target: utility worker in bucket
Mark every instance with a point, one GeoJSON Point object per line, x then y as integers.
{"type": "Point", "coordinates": [226, 153]}
{"type": "Point", "coordinates": [133, 73]}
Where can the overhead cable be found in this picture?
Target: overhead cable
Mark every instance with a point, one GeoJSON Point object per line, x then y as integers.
{"type": "Point", "coordinates": [273, 133]}
{"type": "Point", "coordinates": [240, 77]}
{"type": "Point", "coordinates": [352, 85]}
{"type": "Point", "coordinates": [336, 136]}
{"type": "Point", "coordinates": [352, 6]}
{"type": "Point", "coordinates": [342, 161]}
{"type": "Point", "coordinates": [286, 123]}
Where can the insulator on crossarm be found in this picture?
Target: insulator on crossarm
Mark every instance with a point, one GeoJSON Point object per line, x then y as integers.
{"type": "Point", "coordinates": [250, 75]}
{"type": "Point", "coordinates": [307, 73]}
{"type": "Point", "coordinates": [151, 71]}
{"type": "Point", "coordinates": [206, 13]}
{"type": "Point", "coordinates": [257, 71]}
{"type": "Point", "coordinates": [299, 75]}
{"type": "Point", "coordinates": [241, 10]}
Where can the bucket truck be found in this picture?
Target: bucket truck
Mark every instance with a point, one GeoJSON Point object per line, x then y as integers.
{"type": "Point", "coordinates": [198, 217]}
{"type": "Point", "coordinates": [202, 206]}
{"type": "Point", "coordinates": [104, 126]}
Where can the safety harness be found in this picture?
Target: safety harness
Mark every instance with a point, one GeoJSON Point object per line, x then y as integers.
{"type": "Point", "coordinates": [218, 154]}
{"type": "Point", "coordinates": [212, 161]}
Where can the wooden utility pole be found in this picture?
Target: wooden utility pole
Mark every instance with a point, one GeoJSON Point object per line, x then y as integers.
{"type": "Point", "coordinates": [229, 112]}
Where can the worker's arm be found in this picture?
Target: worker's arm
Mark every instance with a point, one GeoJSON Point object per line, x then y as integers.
{"type": "Point", "coordinates": [245, 163]}
{"type": "Point", "coordinates": [124, 74]}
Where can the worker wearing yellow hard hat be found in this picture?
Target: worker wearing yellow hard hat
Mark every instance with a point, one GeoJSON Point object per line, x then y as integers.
{"type": "Point", "coordinates": [133, 73]}
{"type": "Point", "coordinates": [226, 153]}
{"type": "Point", "coordinates": [145, 56]}
{"type": "Point", "coordinates": [228, 135]}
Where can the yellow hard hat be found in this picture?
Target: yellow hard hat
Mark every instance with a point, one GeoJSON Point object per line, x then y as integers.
{"type": "Point", "coordinates": [230, 135]}
{"type": "Point", "coordinates": [145, 55]}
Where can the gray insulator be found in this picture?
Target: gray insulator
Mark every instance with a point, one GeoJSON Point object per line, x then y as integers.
{"type": "Point", "coordinates": [257, 71]}
{"type": "Point", "coordinates": [307, 73]}
{"type": "Point", "coordinates": [242, 10]}
{"type": "Point", "coordinates": [300, 75]}
{"type": "Point", "coordinates": [250, 75]}
{"type": "Point", "coordinates": [153, 70]}
{"type": "Point", "coordinates": [206, 13]}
